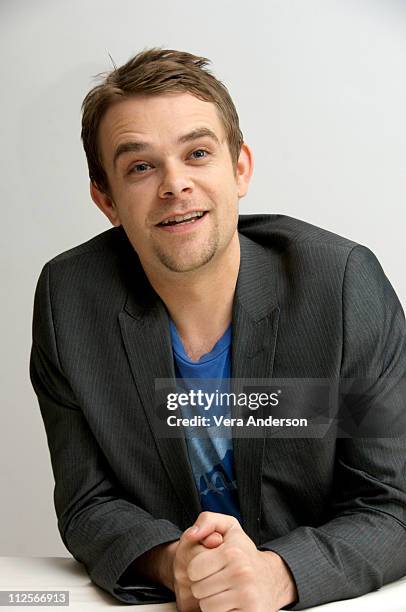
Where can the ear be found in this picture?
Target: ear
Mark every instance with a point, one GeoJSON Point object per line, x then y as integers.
{"type": "Point", "coordinates": [244, 170]}
{"type": "Point", "coordinates": [106, 204]}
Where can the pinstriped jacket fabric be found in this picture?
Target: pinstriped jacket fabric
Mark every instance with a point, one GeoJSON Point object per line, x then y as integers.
{"type": "Point", "coordinates": [308, 305]}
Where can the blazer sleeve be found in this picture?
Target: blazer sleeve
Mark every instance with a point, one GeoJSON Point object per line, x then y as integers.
{"type": "Point", "coordinates": [363, 544]}
{"type": "Point", "coordinates": [98, 525]}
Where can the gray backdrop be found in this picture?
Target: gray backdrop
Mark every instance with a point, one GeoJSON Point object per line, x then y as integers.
{"type": "Point", "coordinates": [320, 88]}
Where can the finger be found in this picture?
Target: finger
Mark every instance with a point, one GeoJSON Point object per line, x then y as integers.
{"type": "Point", "coordinates": [216, 583]}
{"type": "Point", "coordinates": [227, 600]}
{"type": "Point", "coordinates": [206, 564]}
{"type": "Point", "coordinates": [209, 522]}
{"type": "Point", "coordinates": [187, 550]}
{"type": "Point", "coordinates": [213, 540]}
{"type": "Point", "coordinates": [185, 600]}
{"type": "Point", "coordinates": [210, 541]}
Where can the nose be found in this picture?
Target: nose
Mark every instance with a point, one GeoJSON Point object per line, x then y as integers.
{"type": "Point", "coordinates": [175, 181]}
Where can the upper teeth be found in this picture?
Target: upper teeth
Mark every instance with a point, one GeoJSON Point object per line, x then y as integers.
{"type": "Point", "coordinates": [183, 217]}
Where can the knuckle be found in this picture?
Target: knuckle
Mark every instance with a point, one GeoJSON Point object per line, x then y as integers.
{"type": "Point", "coordinates": [176, 573]}
{"type": "Point", "coordinates": [191, 572]}
{"type": "Point", "coordinates": [232, 553]}
{"type": "Point", "coordinates": [182, 542]}
{"type": "Point", "coordinates": [179, 575]}
{"type": "Point", "coordinates": [244, 573]}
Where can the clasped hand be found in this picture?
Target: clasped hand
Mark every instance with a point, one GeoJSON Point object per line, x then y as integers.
{"type": "Point", "coordinates": [218, 568]}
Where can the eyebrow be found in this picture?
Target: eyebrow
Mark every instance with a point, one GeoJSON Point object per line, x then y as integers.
{"type": "Point", "coordinates": [134, 146]}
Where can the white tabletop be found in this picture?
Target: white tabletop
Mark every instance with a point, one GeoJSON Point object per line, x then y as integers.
{"type": "Point", "coordinates": [66, 574]}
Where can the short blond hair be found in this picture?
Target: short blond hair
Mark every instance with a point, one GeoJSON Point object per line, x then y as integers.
{"type": "Point", "coordinates": [152, 72]}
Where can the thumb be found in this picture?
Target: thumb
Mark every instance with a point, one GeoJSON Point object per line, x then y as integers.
{"type": "Point", "coordinates": [208, 523]}
{"type": "Point", "coordinates": [213, 540]}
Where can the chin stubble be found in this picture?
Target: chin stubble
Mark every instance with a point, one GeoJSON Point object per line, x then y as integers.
{"type": "Point", "coordinates": [197, 260]}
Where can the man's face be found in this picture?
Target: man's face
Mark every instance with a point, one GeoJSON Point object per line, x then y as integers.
{"type": "Point", "coordinates": [167, 157]}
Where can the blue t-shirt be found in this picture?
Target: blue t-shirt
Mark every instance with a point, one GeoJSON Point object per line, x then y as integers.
{"type": "Point", "coordinates": [211, 455]}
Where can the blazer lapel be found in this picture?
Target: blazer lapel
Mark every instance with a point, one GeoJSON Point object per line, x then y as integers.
{"type": "Point", "coordinates": [145, 331]}
{"type": "Point", "coordinates": [255, 324]}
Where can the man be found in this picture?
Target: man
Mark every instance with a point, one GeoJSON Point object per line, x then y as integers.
{"type": "Point", "coordinates": [300, 520]}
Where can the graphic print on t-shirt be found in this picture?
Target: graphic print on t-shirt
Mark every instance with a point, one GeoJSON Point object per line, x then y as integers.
{"type": "Point", "coordinates": [211, 456]}
{"type": "Point", "coordinates": [218, 488]}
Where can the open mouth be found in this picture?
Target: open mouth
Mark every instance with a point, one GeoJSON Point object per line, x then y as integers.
{"type": "Point", "coordinates": [183, 219]}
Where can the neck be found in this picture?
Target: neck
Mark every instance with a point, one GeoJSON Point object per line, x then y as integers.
{"type": "Point", "coordinates": [200, 302]}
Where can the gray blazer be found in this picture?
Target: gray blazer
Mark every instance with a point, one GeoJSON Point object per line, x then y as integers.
{"type": "Point", "coordinates": [309, 304]}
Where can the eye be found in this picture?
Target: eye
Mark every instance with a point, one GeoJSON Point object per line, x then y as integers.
{"type": "Point", "coordinates": [139, 168]}
{"type": "Point", "coordinates": [200, 154]}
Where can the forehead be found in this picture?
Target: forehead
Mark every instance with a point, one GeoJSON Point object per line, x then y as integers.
{"type": "Point", "coordinates": [158, 119]}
